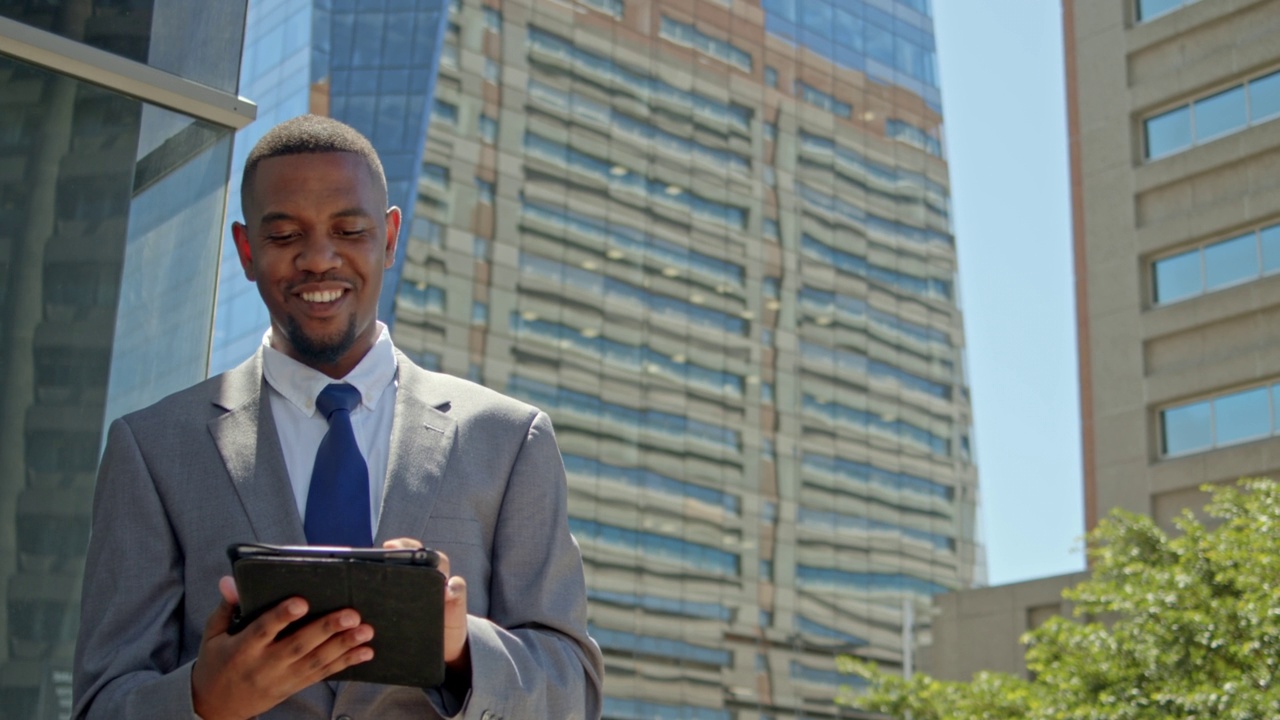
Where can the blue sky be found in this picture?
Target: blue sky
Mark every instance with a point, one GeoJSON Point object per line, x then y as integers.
{"type": "Point", "coordinates": [1001, 67]}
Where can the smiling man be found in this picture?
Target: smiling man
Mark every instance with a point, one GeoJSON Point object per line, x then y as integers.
{"type": "Point", "coordinates": [329, 435]}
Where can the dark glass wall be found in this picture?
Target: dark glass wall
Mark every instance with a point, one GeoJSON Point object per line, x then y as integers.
{"type": "Point", "coordinates": [195, 39]}
{"type": "Point", "coordinates": [109, 217]}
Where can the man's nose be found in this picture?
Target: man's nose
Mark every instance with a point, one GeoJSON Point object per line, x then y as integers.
{"type": "Point", "coordinates": [318, 254]}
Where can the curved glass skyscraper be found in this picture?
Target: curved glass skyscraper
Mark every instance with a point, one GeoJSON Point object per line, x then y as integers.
{"type": "Point", "coordinates": [713, 240]}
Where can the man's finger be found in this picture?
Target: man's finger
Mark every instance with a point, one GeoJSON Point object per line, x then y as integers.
{"type": "Point", "coordinates": [316, 663]}
{"type": "Point", "coordinates": [219, 620]}
{"type": "Point", "coordinates": [227, 586]}
{"type": "Point", "coordinates": [306, 641]}
{"type": "Point", "coordinates": [443, 566]}
{"type": "Point", "coordinates": [403, 544]}
{"type": "Point", "coordinates": [269, 624]}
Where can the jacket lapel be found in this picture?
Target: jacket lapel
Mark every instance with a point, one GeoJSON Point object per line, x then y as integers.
{"type": "Point", "coordinates": [250, 447]}
{"type": "Point", "coordinates": [421, 438]}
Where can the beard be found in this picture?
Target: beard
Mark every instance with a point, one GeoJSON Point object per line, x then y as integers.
{"type": "Point", "coordinates": [315, 351]}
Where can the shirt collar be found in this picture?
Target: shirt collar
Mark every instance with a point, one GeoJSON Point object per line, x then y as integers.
{"type": "Point", "coordinates": [301, 385]}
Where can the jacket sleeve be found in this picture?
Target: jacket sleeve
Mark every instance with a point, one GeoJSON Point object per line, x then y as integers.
{"type": "Point", "coordinates": [531, 656]}
{"type": "Point", "coordinates": [127, 660]}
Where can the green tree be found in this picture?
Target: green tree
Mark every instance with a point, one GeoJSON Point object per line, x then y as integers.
{"type": "Point", "coordinates": [1192, 629]}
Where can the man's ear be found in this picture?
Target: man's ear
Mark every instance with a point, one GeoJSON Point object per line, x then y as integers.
{"type": "Point", "coordinates": [243, 249]}
{"type": "Point", "coordinates": [393, 234]}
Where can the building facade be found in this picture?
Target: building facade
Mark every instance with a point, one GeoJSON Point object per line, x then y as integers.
{"type": "Point", "coordinates": [1176, 214]}
{"type": "Point", "coordinates": [1177, 221]}
{"type": "Point", "coordinates": [713, 240]}
{"type": "Point", "coordinates": [116, 121]}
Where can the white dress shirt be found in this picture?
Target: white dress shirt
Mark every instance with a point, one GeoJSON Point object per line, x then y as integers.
{"type": "Point", "coordinates": [293, 389]}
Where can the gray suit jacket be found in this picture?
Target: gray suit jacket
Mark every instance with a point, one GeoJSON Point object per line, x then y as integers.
{"type": "Point", "coordinates": [472, 473]}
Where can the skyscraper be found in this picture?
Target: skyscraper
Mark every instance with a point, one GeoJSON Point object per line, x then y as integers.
{"type": "Point", "coordinates": [1174, 157]}
{"type": "Point", "coordinates": [116, 121]}
{"type": "Point", "coordinates": [712, 239]}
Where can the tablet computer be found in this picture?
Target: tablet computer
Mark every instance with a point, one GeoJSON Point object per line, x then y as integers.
{"type": "Point", "coordinates": [400, 592]}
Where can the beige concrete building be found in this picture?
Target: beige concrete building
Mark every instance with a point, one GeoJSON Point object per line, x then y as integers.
{"type": "Point", "coordinates": [1175, 166]}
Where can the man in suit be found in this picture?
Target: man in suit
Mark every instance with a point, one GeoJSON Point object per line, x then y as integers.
{"type": "Point", "coordinates": [449, 464]}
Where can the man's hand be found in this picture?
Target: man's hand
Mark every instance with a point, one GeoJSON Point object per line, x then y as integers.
{"type": "Point", "coordinates": [239, 676]}
{"type": "Point", "coordinates": [455, 610]}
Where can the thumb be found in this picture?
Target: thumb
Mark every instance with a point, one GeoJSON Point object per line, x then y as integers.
{"type": "Point", "coordinates": [220, 619]}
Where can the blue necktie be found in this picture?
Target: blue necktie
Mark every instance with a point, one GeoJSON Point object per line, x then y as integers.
{"type": "Point", "coordinates": [338, 501]}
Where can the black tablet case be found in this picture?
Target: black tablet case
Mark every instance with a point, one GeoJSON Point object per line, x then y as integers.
{"type": "Point", "coordinates": [401, 597]}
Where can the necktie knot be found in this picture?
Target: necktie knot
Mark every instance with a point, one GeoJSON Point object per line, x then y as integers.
{"type": "Point", "coordinates": [338, 396]}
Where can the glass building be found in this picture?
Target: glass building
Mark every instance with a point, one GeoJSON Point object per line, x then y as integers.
{"type": "Point", "coordinates": [116, 121]}
{"type": "Point", "coordinates": [712, 238]}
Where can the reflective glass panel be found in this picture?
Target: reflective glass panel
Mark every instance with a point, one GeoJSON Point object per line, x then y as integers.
{"type": "Point", "coordinates": [1220, 114]}
{"type": "Point", "coordinates": [1178, 277]}
{"type": "Point", "coordinates": [1242, 416]}
{"type": "Point", "coordinates": [1148, 9]}
{"type": "Point", "coordinates": [1230, 261]}
{"type": "Point", "coordinates": [1188, 428]}
{"type": "Point", "coordinates": [1269, 239]}
{"type": "Point", "coordinates": [1169, 132]}
{"type": "Point", "coordinates": [1264, 97]}
{"type": "Point", "coordinates": [195, 39]}
{"type": "Point", "coordinates": [109, 224]}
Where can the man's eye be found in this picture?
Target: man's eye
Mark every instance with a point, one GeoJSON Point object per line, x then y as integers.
{"type": "Point", "coordinates": [351, 233]}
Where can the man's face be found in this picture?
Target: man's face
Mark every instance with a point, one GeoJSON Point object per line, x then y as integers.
{"type": "Point", "coordinates": [317, 237]}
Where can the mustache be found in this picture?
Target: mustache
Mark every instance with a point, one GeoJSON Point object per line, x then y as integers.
{"type": "Point", "coordinates": [309, 278]}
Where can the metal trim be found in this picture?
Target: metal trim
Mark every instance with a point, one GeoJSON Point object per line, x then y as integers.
{"type": "Point", "coordinates": [80, 61]}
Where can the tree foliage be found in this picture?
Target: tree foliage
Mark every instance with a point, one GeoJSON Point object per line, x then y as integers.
{"type": "Point", "coordinates": [1182, 626]}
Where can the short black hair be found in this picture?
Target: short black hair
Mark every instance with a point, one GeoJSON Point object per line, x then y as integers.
{"type": "Point", "coordinates": [307, 134]}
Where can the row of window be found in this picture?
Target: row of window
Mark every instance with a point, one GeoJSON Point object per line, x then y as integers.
{"type": "Point", "coordinates": [867, 221]}
{"type": "Point", "coordinates": [835, 579]}
{"type": "Point", "coordinates": [811, 627]}
{"type": "Point", "coordinates": [631, 709]}
{"type": "Point", "coordinates": [611, 640]}
{"type": "Point", "coordinates": [873, 422]}
{"type": "Point", "coordinates": [858, 364]}
{"type": "Point", "coordinates": [579, 106]}
{"type": "Point", "coordinates": [655, 305]}
{"type": "Point", "coordinates": [690, 36]}
{"type": "Point", "coordinates": [609, 7]}
{"type": "Point", "coordinates": [637, 243]}
{"type": "Point", "coordinates": [866, 474]}
{"type": "Point", "coordinates": [660, 192]}
{"type": "Point", "coordinates": [824, 303]}
{"type": "Point", "coordinates": [1217, 265]}
{"type": "Point", "coordinates": [690, 554]}
{"type": "Point", "coordinates": [1252, 102]}
{"type": "Point", "coordinates": [551, 397]}
{"type": "Point", "coordinates": [1227, 419]}
{"type": "Point", "coordinates": [636, 358]}
{"type": "Point", "coordinates": [832, 522]}
{"type": "Point", "coordinates": [889, 175]}
{"type": "Point", "coordinates": [648, 89]}
{"type": "Point", "coordinates": [1149, 9]}
{"type": "Point", "coordinates": [904, 131]}
{"type": "Point", "coordinates": [861, 267]}
{"type": "Point", "coordinates": [820, 99]}
{"type": "Point", "coordinates": [821, 676]}
{"type": "Point", "coordinates": [649, 480]}
{"type": "Point", "coordinates": [662, 605]}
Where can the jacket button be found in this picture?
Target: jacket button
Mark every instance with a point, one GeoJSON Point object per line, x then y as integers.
{"type": "Point", "coordinates": [344, 717]}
